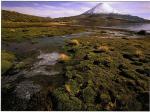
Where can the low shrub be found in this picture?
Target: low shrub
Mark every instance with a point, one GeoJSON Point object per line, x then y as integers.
{"type": "Point", "coordinates": [138, 53]}
{"type": "Point", "coordinates": [74, 42]}
{"type": "Point", "coordinates": [72, 87]}
{"type": "Point", "coordinates": [68, 88]}
{"type": "Point", "coordinates": [103, 48]}
{"type": "Point", "coordinates": [64, 57]}
{"type": "Point", "coordinates": [12, 30]}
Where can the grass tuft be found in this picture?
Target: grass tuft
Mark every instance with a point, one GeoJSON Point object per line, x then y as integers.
{"type": "Point", "coordinates": [103, 48]}
{"type": "Point", "coordinates": [138, 53]}
{"type": "Point", "coordinates": [74, 42]}
{"type": "Point", "coordinates": [64, 57]}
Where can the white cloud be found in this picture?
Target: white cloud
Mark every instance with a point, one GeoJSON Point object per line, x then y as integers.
{"type": "Point", "coordinates": [49, 11]}
{"type": "Point", "coordinates": [65, 9]}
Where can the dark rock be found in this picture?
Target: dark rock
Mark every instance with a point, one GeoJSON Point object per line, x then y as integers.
{"type": "Point", "coordinates": [144, 99]}
{"type": "Point", "coordinates": [25, 30]}
{"type": "Point", "coordinates": [86, 57]}
{"type": "Point", "coordinates": [106, 63]}
{"type": "Point", "coordinates": [71, 50]}
{"type": "Point", "coordinates": [96, 62]}
{"type": "Point", "coordinates": [130, 57]}
{"type": "Point", "coordinates": [121, 66]}
{"type": "Point", "coordinates": [126, 73]}
{"type": "Point", "coordinates": [141, 32]}
{"type": "Point", "coordinates": [144, 71]}
{"type": "Point", "coordinates": [137, 63]}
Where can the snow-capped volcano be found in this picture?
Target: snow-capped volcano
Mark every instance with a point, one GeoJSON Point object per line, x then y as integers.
{"type": "Point", "coordinates": [102, 8]}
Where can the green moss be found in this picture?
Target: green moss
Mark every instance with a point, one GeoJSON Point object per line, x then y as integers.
{"type": "Point", "coordinates": [91, 107]}
{"type": "Point", "coordinates": [64, 102]}
{"type": "Point", "coordinates": [88, 95]}
{"type": "Point", "coordinates": [109, 73]}
{"type": "Point", "coordinates": [104, 97]}
{"type": "Point", "coordinates": [7, 61]}
{"type": "Point", "coordinates": [5, 65]}
{"type": "Point", "coordinates": [20, 65]}
{"type": "Point", "coordinates": [22, 33]}
{"type": "Point", "coordinates": [7, 56]}
{"type": "Point", "coordinates": [73, 86]}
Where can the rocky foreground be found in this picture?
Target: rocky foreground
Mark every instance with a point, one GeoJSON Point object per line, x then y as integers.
{"type": "Point", "coordinates": [106, 70]}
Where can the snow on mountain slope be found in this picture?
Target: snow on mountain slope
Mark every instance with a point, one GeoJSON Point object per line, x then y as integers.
{"type": "Point", "coordinates": [101, 8]}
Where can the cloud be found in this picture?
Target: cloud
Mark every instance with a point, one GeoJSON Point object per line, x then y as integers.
{"type": "Point", "coordinates": [64, 9]}
{"type": "Point", "coordinates": [36, 4]}
{"type": "Point", "coordinates": [49, 11]}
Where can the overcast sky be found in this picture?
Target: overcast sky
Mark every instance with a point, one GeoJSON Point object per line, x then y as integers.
{"type": "Point", "coordinates": [64, 9]}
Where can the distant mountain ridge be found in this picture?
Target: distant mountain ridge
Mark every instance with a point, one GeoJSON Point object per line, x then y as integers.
{"type": "Point", "coordinates": [103, 15]}
{"type": "Point", "coordinates": [100, 15]}
{"type": "Point", "coordinates": [105, 10]}
{"type": "Point", "coordinates": [124, 17]}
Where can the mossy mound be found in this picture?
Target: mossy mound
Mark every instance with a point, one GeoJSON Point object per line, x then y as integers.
{"type": "Point", "coordinates": [7, 61]}
{"type": "Point", "coordinates": [108, 80]}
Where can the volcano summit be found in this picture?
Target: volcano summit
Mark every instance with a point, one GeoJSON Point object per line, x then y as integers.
{"type": "Point", "coordinates": [102, 8]}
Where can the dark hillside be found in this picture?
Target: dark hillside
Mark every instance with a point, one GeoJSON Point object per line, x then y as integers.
{"type": "Point", "coordinates": [102, 19]}
{"type": "Point", "coordinates": [11, 16]}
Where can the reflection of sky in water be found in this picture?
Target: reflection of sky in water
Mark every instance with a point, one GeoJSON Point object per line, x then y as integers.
{"type": "Point", "coordinates": [135, 27]}
{"type": "Point", "coordinates": [48, 59]}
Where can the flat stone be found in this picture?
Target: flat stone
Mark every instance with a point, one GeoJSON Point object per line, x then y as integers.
{"type": "Point", "coordinates": [26, 89]}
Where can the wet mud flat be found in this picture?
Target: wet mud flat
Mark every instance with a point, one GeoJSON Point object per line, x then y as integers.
{"type": "Point", "coordinates": [36, 81]}
{"type": "Point", "coordinates": [31, 88]}
{"type": "Point", "coordinates": [32, 84]}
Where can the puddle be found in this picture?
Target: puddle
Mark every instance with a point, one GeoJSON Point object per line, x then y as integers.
{"type": "Point", "coordinates": [54, 43]}
{"type": "Point", "coordinates": [48, 59]}
{"type": "Point", "coordinates": [44, 65]}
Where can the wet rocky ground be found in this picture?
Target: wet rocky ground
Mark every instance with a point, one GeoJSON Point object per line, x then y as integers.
{"type": "Point", "coordinates": [22, 86]}
{"type": "Point", "coordinates": [31, 87]}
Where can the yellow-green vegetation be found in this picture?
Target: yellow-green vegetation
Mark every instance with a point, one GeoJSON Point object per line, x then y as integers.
{"type": "Point", "coordinates": [20, 27]}
{"type": "Point", "coordinates": [7, 60]}
{"type": "Point", "coordinates": [66, 102]}
{"type": "Point", "coordinates": [64, 57]}
{"type": "Point", "coordinates": [31, 24]}
{"type": "Point", "coordinates": [103, 48]}
{"type": "Point", "coordinates": [68, 88]}
{"type": "Point", "coordinates": [20, 34]}
{"type": "Point", "coordinates": [73, 42]}
{"type": "Point", "coordinates": [20, 65]}
{"type": "Point", "coordinates": [138, 53]}
{"type": "Point", "coordinates": [115, 79]}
